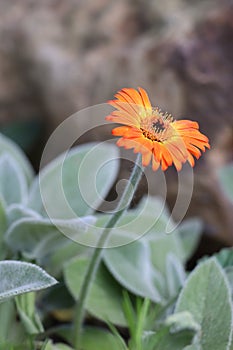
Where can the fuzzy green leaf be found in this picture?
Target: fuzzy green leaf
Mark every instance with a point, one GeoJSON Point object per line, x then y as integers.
{"type": "Point", "coordinates": [20, 277]}
{"type": "Point", "coordinates": [164, 340]}
{"type": "Point", "coordinates": [206, 295]}
{"type": "Point", "coordinates": [225, 257]}
{"type": "Point", "coordinates": [7, 146]}
{"type": "Point", "coordinates": [105, 297]}
{"type": "Point", "coordinates": [19, 211]}
{"type": "Point", "coordinates": [131, 266]}
{"type": "Point", "coordinates": [13, 186]}
{"type": "Point", "coordinates": [190, 233]}
{"type": "Point", "coordinates": [75, 184]}
{"type": "Point", "coordinates": [175, 275]}
{"type": "Point", "coordinates": [97, 338]}
{"type": "Point", "coordinates": [38, 237]}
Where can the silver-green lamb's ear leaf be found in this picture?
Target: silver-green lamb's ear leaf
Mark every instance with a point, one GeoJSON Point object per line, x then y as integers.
{"type": "Point", "coordinates": [75, 184]}
{"type": "Point", "coordinates": [6, 145]}
{"type": "Point", "coordinates": [155, 206]}
{"type": "Point", "coordinates": [190, 232]}
{"type": "Point", "coordinates": [206, 295]}
{"type": "Point", "coordinates": [19, 277]}
{"type": "Point", "coordinates": [155, 214]}
{"type": "Point", "coordinates": [229, 273]}
{"type": "Point", "coordinates": [3, 219]}
{"type": "Point", "coordinates": [13, 186]}
{"type": "Point", "coordinates": [177, 331]}
{"type": "Point", "coordinates": [3, 227]}
{"type": "Point", "coordinates": [151, 221]}
{"type": "Point", "coordinates": [19, 211]}
{"type": "Point", "coordinates": [175, 275]}
{"type": "Point", "coordinates": [38, 237]}
{"type": "Point", "coordinates": [59, 254]}
{"type": "Point", "coordinates": [161, 246]}
{"type": "Point", "coordinates": [164, 339]}
{"type": "Point", "coordinates": [182, 321]}
{"type": "Point", "coordinates": [225, 257]}
{"type": "Point", "coordinates": [226, 180]}
{"type": "Point", "coordinates": [105, 298]}
{"type": "Point", "coordinates": [131, 266]}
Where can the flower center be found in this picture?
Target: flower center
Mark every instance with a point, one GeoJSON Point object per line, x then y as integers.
{"type": "Point", "coordinates": [156, 126]}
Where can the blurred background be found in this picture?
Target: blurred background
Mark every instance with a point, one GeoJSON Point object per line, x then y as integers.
{"type": "Point", "coordinates": [60, 56]}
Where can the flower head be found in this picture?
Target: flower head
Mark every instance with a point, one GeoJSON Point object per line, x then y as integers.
{"type": "Point", "coordinates": [156, 135]}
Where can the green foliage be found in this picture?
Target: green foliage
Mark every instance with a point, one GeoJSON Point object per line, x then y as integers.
{"type": "Point", "coordinates": [13, 186]}
{"type": "Point", "coordinates": [3, 226]}
{"type": "Point", "coordinates": [171, 336]}
{"type": "Point", "coordinates": [175, 275]}
{"type": "Point", "coordinates": [131, 265]}
{"type": "Point", "coordinates": [19, 277]}
{"type": "Point", "coordinates": [9, 147]}
{"type": "Point", "coordinates": [136, 320]}
{"type": "Point", "coordinates": [57, 346]}
{"type": "Point", "coordinates": [140, 285]}
{"type": "Point", "coordinates": [206, 295]}
{"type": "Point", "coordinates": [190, 232]}
{"type": "Point", "coordinates": [78, 180]}
{"type": "Point", "coordinates": [37, 237]}
{"type": "Point", "coordinates": [225, 257]}
{"type": "Point", "coordinates": [161, 256]}
{"type": "Point", "coordinates": [105, 298]}
{"type": "Point", "coordinates": [11, 331]}
{"type": "Point", "coordinates": [25, 304]}
{"type": "Point", "coordinates": [97, 338]}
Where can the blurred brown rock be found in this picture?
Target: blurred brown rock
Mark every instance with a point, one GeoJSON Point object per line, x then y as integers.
{"type": "Point", "coordinates": [57, 57]}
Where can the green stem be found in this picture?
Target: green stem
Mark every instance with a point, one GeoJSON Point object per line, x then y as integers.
{"type": "Point", "coordinates": [123, 205]}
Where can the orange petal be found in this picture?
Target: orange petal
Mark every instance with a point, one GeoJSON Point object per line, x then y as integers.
{"type": "Point", "coordinates": [145, 99]}
{"type": "Point", "coordinates": [177, 157]}
{"type": "Point", "coordinates": [143, 145]}
{"type": "Point", "coordinates": [120, 131]}
{"type": "Point", "coordinates": [120, 119]}
{"type": "Point", "coordinates": [180, 142]}
{"type": "Point", "coordinates": [155, 164]}
{"type": "Point", "coordinates": [138, 143]}
{"type": "Point", "coordinates": [146, 158]}
{"type": "Point", "coordinates": [129, 108]}
{"type": "Point", "coordinates": [195, 134]}
{"type": "Point", "coordinates": [178, 147]}
{"type": "Point", "coordinates": [191, 160]}
{"type": "Point", "coordinates": [194, 150]}
{"type": "Point", "coordinates": [166, 160]}
{"type": "Point", "coordinates": [177, 162]}
{"type": "Point", "coordinates": [185, 124]}
{"type": "Point", "coordinates": [126, 143]}
{"type": "Point", "coordinates": [133, 95]}
{"type": "Point", "coordinates": [157, 151]}
{"type": "Point", "coordinates": [197, 143]}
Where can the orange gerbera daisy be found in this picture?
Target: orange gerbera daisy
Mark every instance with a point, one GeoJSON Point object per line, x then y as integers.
{"type": "Point", "coordinates": [155, 135]}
